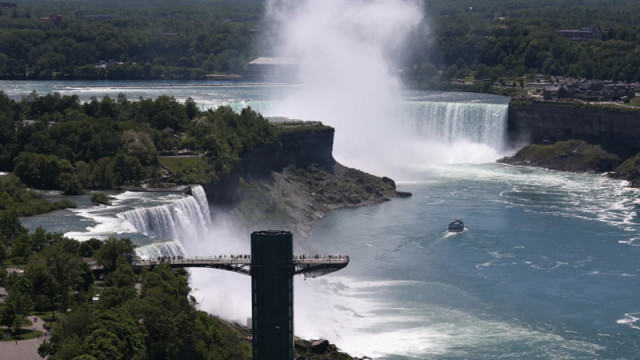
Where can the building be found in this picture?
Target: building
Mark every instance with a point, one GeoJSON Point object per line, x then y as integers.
{"type": "Point", "coordinates": [57, 19]}
{"type": "Point", "coordinates": [274, 68]}
{"type": "Point", "coordinates": [589, 90]}
{"type": "Point", "coordinates": [80, 15]}
{"type": "Point", "coordinates": [584, 33]}
{"type": "Point", "coordinates": [556, 91]}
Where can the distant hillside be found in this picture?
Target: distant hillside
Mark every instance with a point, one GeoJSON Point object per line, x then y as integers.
{"type": "Point", "coordinates": [494, 40]}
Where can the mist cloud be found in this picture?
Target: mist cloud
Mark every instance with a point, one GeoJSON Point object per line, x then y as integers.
{"type": "Point", "coordinates": [346, 51]}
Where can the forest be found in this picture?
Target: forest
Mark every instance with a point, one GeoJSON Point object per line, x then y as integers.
{"type": "Point", "coordinates": [127, 39]}
{"type": "Point", "coordinates": [160, 39]}
{"type": "Point", "coordinates": [103, 144]}
{"type": "Point", "coordinates": [71, 146]}
{"type": "Point", "coordinates": [466, 39]}
{"type": "Point", "coordinates": [514, 38]}
{"type": "Point", "coordinates": [111, 311]}
{"type": "Point", "coordinates": [110, 318]}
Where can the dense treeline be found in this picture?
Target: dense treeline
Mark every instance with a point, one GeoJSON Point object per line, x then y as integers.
{"type": "Point", "coordinates": [135, 39]}
{"type": "Point", "coordinates": [158, 322]}
{"type": "Point", "coordinates": [187, 40]}
{"type": "Point", "coordinates": [106, 143]}
{"type": "Point", "coordinates": [508, 38]}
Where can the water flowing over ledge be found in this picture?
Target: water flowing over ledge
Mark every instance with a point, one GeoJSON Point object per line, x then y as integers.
{"type": "Point", "coordinates": [186, 220]}
{"type": "Point", "coordinates": [452, 122]}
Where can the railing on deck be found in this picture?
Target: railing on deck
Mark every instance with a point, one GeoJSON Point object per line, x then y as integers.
{"type": "Point", "coordinates": [309, 265]}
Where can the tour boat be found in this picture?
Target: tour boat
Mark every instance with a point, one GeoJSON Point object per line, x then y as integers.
{"type": "Point", "coordinates": [456, 226]}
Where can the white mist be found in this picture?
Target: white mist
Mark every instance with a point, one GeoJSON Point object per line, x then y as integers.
{"type": "Point", "coordinates": [345, 51]}
{"type": "Point", "coordinates": [347, 77]}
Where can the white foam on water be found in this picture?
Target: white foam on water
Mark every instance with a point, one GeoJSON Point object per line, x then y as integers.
{"type": "Point", "coordinates": [591, 197]}
{"type": "Point", "coordinates": [352, 314]}
{"type": "Point", "coordinates": [104, 224]}
{"type": "Point", "coordinates": [167, 216]}
{"type": "Point", "coordinates": [631, 320]}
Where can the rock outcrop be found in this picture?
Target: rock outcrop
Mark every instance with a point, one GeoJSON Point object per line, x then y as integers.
{"type": "Point", "coordinates": [292, 183]}
{"type": "Point", "coordinates": [298, 145]}
{"type": "Point", "coordinates": [572, 155]}
{"type": "Point", "coordinates": [629, 170]}
{"type": "Point", "coordinates": [318, 350]}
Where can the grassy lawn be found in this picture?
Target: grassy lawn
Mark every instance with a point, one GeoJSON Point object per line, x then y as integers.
{"type": "Point", "coordinates": [635, 102]}
{"type": "Point", "coordinates": [177, 163]}
{"type": "Point", "coordinates": [23, 334]}
{"type": "Point", "coordinates": [47, 316]}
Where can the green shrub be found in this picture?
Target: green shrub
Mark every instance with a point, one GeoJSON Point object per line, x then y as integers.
{"type": "Point", "coordinates": [100, 198]}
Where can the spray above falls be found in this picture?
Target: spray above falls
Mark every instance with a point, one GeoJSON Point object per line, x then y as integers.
{"type": "Point", "coordinates": [347, 52]}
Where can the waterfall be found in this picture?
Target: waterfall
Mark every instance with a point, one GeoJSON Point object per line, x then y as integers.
{"type": "Point", "coordinates": [184, 221]}
{"type": "Point", "coordinates": [452, 122]}
{"type": "Point", "coordinates": [427, 128]}
{"type": "Point", "coordinates": [441, 121]}
{"type": "Point", "coordinates": [155, 250]}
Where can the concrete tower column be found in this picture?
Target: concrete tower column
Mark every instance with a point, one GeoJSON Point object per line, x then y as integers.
{"type": "Point", "coordinates": [272, 271]}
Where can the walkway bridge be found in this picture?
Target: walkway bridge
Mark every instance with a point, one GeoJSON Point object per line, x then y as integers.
{"type": "Point", "coordinates": [310, 266]}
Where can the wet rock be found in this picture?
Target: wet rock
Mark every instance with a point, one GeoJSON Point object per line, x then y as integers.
{"type": "Point", "coordinates": [319, 346]}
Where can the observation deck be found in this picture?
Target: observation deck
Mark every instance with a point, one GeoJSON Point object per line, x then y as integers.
{"type": "Point", "coordinates": [309, 265]}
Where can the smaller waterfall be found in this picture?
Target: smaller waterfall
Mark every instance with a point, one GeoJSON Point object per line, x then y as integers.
{"type": "Point", "coordinates": [156, 250]}
{"type": "Point", "coordinates": [186, 220]}
{"type": "Point", "coordinates": [201, 198]}
{"type": "Point", "coordinates": [452, 122]}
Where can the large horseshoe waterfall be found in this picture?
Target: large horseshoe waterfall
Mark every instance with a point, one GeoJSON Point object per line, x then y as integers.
{"type": "Point", "coordinates": [453, 122]}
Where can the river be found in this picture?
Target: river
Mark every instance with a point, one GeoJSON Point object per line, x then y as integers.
{"type": "Point", "coordinates": [546, 268]}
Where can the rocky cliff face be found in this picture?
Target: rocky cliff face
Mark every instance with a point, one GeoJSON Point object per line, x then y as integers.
{"type": "Point", "coordinates": [292, 183]}
{"type": "Point", "coordinates": [617, 130]}
{"type": "Point", "coordinates": [298, 145]}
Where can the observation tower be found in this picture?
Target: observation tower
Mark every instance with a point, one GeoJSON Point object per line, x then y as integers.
{"type": "Point", "coordinates": [271, 266]}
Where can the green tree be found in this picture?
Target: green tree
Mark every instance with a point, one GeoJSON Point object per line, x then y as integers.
{"type": "Point", "coordinates": [115, 336]}
{"type": "Point", "coordinates": [45, 288]}
{"type": "Point", "coordinates": [67, 268]}
{"type": "Point", "coordinates": [18, 304]}
{"type": "Point", "coordinates": [87, 248]}
{"type": "Point", "coordinates": [102, 174]}
{"type": "Point", "coordinates": [112, 251]}
{"type": "Point", "coordinates": [67, 340]}
{"type": "Point", "coordinates": [120, 287]}
{"type": "Point", "coordinates": [70, 184]}
{"type": "Point", "coordinates": [139, 145]}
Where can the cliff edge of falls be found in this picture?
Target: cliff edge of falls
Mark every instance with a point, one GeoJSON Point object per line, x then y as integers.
{"type": "Point", "coordinates": [293, 182]}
